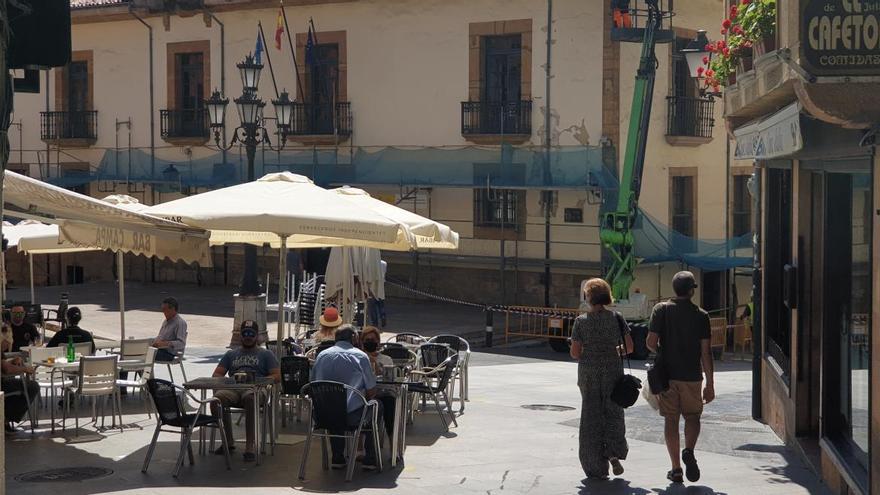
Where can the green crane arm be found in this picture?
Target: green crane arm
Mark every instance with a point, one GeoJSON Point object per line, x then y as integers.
{"type": "Point", "coordinates": [616, 228]}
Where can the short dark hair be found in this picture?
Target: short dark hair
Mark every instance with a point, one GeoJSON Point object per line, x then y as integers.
{"type": "Point", "coordinates": [344, 333]}
{"type": "Point", "coordinates": [170, 301]}
{"type": "Point", "coordinates": [74, 315]}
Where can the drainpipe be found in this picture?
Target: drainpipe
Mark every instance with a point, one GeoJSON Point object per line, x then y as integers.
{"type": "Point", "coordinates": [152, 96]}
{"type": "Point", "coordinates": [548, 194]}
{"type": "Point", "coordinates": [222, 68]}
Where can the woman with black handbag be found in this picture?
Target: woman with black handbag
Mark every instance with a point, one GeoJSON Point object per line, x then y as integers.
{"type": "Point", "coordinates": [596, 345]}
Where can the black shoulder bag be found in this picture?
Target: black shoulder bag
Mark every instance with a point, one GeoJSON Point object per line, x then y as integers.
{"type": "Point", "coordinates": [658, 378]}
{"type": "Point", "coordinates": [626, 390]}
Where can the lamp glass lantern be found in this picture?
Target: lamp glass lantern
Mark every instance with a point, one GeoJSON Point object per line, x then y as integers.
{"type": "Point", "coordinates": [250, 109]}
{"type": "Point", "coordinates": [250, 73]}
{"type": "Point", "coordinates": [217, 109]}
{"type": "Point", "coordinates": [695, 52]}
{"type": "Point", "coordinates": [283, 110]}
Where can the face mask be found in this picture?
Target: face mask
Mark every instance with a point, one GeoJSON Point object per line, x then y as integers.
{"type": "Point", "coordinates": [371, 346]}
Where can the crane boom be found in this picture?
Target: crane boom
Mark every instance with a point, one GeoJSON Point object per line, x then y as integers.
{"type": "Point", "coordinates": [616, 228]}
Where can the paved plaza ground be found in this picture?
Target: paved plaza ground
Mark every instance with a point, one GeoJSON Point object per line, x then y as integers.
{"type": "Point", "coordinates": [499, 447]}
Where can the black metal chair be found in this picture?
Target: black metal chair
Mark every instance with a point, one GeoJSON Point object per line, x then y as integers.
{"type": "Point", "coordinates": [399, 354]}
{"type": "Point", "coordinates": [440, 375]}
{"type": "Point", "coordinates": [463, 348]}
{"type": "Point", "coordinates": [170, 412]}
{"type": "Point", "coordinates": [329, 401]}
{"type": "Point", "coordinates": [432, 355]}
{"type": "Point", "coordinates": [294, 376]}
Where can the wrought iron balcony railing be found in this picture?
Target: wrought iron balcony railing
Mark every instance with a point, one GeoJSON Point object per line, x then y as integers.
{"type": "Point", "coordinates": [690, 117]}
{"type": "Point", "coordinates": [69, 125]}
{"type": "Point", "coordinates": [321, 119]}
{"type": "Point", "coordinates": [183, 124]}
{"type": "Point", "coordinates": [499, 118]}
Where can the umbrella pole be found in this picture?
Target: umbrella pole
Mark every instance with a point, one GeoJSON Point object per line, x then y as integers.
{"type": "Point", "coordinates": [119, 271]}
{"type": "Point", "coordinates": [31, 267]}
{"type": "Point", "coordinates": [282, 290]}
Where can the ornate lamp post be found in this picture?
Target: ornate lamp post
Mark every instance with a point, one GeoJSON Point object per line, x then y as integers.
{"type": "Point", "coordinates": [694, 54]}
{"type": "Point", "coordinates": [249, 134]}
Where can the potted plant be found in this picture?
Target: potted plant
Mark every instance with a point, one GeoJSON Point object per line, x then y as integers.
{"type": "Point", "coordinates": [757, 19]}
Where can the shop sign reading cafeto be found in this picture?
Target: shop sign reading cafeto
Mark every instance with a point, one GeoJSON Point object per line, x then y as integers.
{"type": "Point", "coordinates": [840, 37]}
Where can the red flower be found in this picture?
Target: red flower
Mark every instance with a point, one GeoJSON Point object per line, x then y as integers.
{"type": "Point", "coordinates": [726, 51]}
{"type": "Point", "coordinates": [733, 11]}
{"type": "Point", "coordinates": [726, 24]}
{"type": "Point", "coordinates": [699, 71]}
{"type": "Point", "coordinates": [721, 44]}
{"type": "Point", "coordinates": [723, 31]}
{"type": "Point", "coordinates": [738, 30]}
{"type": "Point", "coordinates": [715, 87]}
{"type": "Point", "coordinates": [710, 73]}
{"type": "Point", "coordinates": [746, 2]}
{"type": "Point", "coordinates": [710, 47]}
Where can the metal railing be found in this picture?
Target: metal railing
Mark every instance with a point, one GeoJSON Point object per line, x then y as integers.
{"type": "Point", "coordinates": [317, 119]}
{"type": "Point", "coordinates": [190, 123]}
{"type": "Point", "coordinates": [692, 117]}
{"type": "Point", "coordinates": [482, 117]}
{"type": "Point", "coordinates": [69, 125]}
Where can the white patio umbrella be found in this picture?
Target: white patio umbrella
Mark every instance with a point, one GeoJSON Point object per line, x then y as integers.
{"type": "Point", "coordinates": [79, 236]}
{"type": "Point", "coordinates": [283, 208]}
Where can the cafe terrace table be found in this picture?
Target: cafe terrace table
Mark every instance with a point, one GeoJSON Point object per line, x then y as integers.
{"type": "Point", "coordinates": [61, 367]}
{"type": "Point", "coordinates": [400, 391]}
{"type": "Point", "coordinates": [260, 384]}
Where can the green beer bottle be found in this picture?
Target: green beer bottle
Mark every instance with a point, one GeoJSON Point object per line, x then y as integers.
{"type": "Point", "coordinates": [71, 351]}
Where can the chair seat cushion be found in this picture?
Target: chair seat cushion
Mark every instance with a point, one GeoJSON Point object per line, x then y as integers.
{"type": "Point", "coordinates": [186, 420]}
{"type": "Point", "coordinates": [421, 388]}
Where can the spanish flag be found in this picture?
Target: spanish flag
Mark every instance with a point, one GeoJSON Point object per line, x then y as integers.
{"type": "Point", "coordinates": [279, 29]}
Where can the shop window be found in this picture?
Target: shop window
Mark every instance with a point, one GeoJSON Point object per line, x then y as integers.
{"type": "Point", "coordinates": [741, 212]}
{"type": "Point", "coordinates": [778, 252]}
{"type": "Point", "coordinates": [847, 335]}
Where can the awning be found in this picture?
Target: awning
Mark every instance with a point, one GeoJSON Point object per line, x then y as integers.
{"type": "Point", "coordinates": [776, 136]}
{"type": "Point", "coordinates": [87, 222]}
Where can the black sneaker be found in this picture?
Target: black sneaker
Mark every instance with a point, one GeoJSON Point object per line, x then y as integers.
{"type": "Point", "coordinates": [338, 463]}
{"type": "Point", "coordinates": [675, 476]}
{"type": "Point", "coordinates": [690, 464]}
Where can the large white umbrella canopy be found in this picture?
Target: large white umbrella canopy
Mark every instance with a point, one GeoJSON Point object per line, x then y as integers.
{"type": "Point", "coordinates": [280, 208]}
{"type": "Point", "coordinates": [72, 236]}
{"type": "Point", "coordinates": [427, 233]}
{"type": "Point", "coordinates": [282, 205]}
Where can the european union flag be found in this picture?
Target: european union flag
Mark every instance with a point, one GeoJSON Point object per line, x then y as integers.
{"type": "Point", "coordinates": [310, 48]}
{"type": "Point", "coordinates": [258, 51]}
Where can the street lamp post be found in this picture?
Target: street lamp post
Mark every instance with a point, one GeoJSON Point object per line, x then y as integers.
{"type": "Point", "coordinates": [249, 134]}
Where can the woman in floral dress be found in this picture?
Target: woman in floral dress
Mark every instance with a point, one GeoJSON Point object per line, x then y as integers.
{"type": "Point", "coordinates": [596, 345]}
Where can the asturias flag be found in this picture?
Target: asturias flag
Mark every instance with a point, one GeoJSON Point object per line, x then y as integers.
{"type": "Point", "coordinates": [258, 51]}
{"type": "Point", "coordinates": [279, 29]}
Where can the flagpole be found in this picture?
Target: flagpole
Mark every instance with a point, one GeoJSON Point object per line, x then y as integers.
{"type": "Point", "coordinates": [292, 54]}
{"type": "Point", "coordinates": [314, 30]}
{"type": "Point", "coordinates": [268, 58]}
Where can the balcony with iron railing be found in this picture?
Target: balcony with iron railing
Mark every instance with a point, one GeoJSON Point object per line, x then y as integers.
{"type": "Point", "coordinates": [689, 120]}
{"type": "Point", "coordinates": [73, 128]}
{"type": "Point", "coordinates": [189, 126]}
{"type": "Point", "coordinates": [320, 122]}
{"type": "Point", "coordinates": [483, 121]}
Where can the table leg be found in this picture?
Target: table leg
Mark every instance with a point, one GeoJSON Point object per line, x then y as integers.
{"type": "Point", "coordinates": [52, 394]}
{"type": "Point", "coordinates": [405, 404]}
{"type": "Point", "coordinates": [27, 398]}
{"type": "Point", "coordinates": [202, 429]}
{"type": "Point", "coordinates": [396, 436]}
{"type": "Point", "coordinates": [257, 421]}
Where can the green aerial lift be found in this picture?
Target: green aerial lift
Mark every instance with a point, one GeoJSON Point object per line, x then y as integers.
{"type": "Point", "coordinates": [616, 226]}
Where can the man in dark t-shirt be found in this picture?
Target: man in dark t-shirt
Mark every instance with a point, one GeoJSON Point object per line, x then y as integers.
{"type": "Point", "coordinates": [680, 330]}
{"type": "Point", "coordinates": [74, 316]}
{"type": "Point", "coordinates": [23, 333]}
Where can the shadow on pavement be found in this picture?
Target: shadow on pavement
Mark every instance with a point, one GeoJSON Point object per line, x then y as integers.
{"type": "Point", "coordinates": [617, 486]}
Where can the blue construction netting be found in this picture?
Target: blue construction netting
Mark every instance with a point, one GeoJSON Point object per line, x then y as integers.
{"type": "Point", "coordinates": [570, 167]}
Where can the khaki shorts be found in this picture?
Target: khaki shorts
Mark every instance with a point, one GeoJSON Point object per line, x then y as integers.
{"type": "Point", "coordinates": [684, 398]}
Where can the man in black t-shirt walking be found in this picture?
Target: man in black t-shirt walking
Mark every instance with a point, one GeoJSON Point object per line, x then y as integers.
{"type": "Point", "coordinates": [681, 328]}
